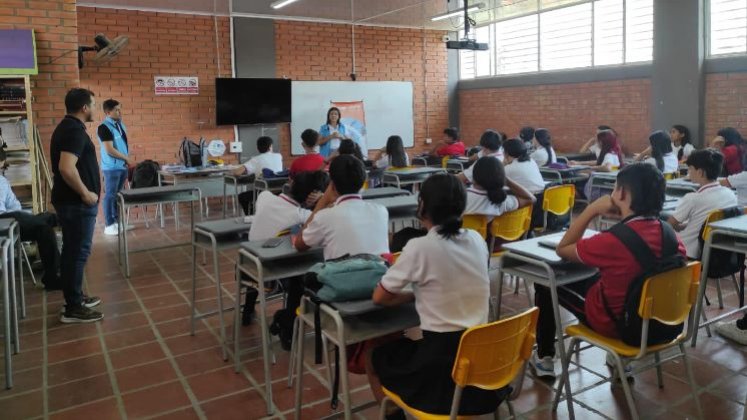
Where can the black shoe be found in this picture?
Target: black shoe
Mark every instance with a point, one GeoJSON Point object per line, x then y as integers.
{"type": "Point", "coordinates": [91, 301]}
{"type": "Point", "coordinates": [80, 315]}
{"type": "Point", "coordinates": [247, 316]}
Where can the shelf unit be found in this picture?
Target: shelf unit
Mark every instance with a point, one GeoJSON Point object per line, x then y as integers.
{"type": "Point", "coordinates": [18, 133]}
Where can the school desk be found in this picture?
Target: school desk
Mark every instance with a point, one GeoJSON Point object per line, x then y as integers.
{"type": "Point", "coordinates": [408, 176]}
{"type": "Point", "coordinates": [383, 192]}
{"type": "Point", "coordinates": [564, 175]}
{"type": "Point", "coordinates": [209, 180]}
{"type": "Point", "coordinates": [236, 184]}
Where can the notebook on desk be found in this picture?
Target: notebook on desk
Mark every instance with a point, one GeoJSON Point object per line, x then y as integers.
{"type": "Point", "coordinates": [551, 243]}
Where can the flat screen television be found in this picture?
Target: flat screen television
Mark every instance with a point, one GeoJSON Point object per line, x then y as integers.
{"type": "Point", "coordinates": [252, 101]}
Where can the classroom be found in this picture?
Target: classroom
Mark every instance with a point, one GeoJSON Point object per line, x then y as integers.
{"type": "Point", "coordinates": [356, 209]}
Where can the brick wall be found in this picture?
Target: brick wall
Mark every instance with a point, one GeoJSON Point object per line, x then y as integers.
{"type": "Point", "coordinates": [570, 111]}
{"type": "Point", "coordinates": [725, 103]}
{"type": "Point", "coordinates": [55, 27]}
{"type": "Point", "coordinates": [162, 44]}
{"type": "Point", "coordinates": [316, 51]}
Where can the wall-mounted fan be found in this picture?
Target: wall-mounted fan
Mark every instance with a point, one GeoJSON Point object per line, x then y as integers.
{"type": "Point", "coordinates": [105, 48]}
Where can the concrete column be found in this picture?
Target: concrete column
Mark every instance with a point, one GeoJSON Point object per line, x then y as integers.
{"type": "Point", "coordinates": [678, 77]}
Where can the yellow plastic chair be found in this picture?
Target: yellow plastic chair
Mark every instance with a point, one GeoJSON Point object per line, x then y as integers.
{"type": "Point", "coordinates": [490, 357]}
{"type": "Point", "coordinates": [666, 297]}
{"type": "Point", "coordinates": [670, 176]}
{"type": "Point", "coordinates": [558, 200]}
{"type": "Point", "coordinates": [510, 227]}
{"type": "Point", "coordinates": [715, 216]}
{"type": "Point", "coordinates": [445, 161]}
{"type": "Point", "coordinates": [476, 222]}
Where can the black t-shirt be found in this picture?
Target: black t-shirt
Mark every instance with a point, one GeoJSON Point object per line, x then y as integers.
{"type": "Point", "coordinates": [105, 133]}
{"type": "Point", "coordinates": [71, 136]}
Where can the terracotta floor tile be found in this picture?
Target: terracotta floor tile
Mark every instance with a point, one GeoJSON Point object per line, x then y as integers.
{"type": "Point", "coordinates": [217, 383]}
{"type": "Point", "coordinates": [71, 332]}
{"type": "Point", "coordinates": [23, 382]}
{"type": "Point", "coordinates": [170, 313]}
{"type": "Point", "coordinates": [136, 355]}
{"type": "Point", "coordinates": [155, 400]}
{"type": "Point", "coordinates": [188, 343]}
{"type": "Point", "coordinates": [76, 369]}
{"type": "Point", "coordinates": [23, 406]}
{"type": "Point", "coordinates": [79, 392]}
{"type": "Point", "coordinates": [102, 409]}
{"type": "Point", "coordinates": [245, 405]}
{"type": "Point", "coordinates": [149, 291]}
{"type": "Point", "coordinates": [120, 308]}
{"type": "Point", "coordinates": [163, 301]}
{"type": "Point", "coordinates": [145, 375]}
{"type": "Point", "coordinates": [714, 407]}
{"type": "Point", "coordinates": [73, 350]}
{"type": "Point", "coordinates": [185, 414]}
{"type": "Point", "coordinates": [119, 322]}
{"type": "Point", "coordinates": [611, 401]}
{"type": "Point", "coordinates": [201, 361]}
{"type": "Point", "coordinates": [127, 338]}
{"type": "Point", "coordinates": [733, 388]}
{"type": "Point", "coordinates": [28, 359]}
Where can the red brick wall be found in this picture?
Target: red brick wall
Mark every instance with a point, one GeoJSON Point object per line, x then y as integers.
{"type": "Point", "coordinates": [161, 44]}
{"type": "Point", "coordinates": [317, 51]}
{"type": "Point", "coordinates": [725, 103]}
{"type": "Point", "coordinates": [55, 27]}
{"type": "Point", "coordinates": [570, 111]}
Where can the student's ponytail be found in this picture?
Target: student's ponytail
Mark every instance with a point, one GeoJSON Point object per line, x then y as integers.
{"type": "Point", "coordinates": [450, 227]}
{"type": "Point", "coordinates": [442, 201]}
{"type": "Point", "coordinates": [489, 175]}
{"type": "Point", "coordinates": [497, 195]}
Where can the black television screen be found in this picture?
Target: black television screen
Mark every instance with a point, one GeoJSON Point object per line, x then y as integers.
{"type": "Point", "coordinates": [252, 101]}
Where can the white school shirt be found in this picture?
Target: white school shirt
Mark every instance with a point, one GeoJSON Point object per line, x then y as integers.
{"type": "Point", "coordinates": [689, 148]}
{"type": "Point", "coordinates": [352, 226]}
{"type": "Point", "coordinates": [468, 172]}
{"type": "Point", "coordinates": [540, 156]}
{"type": "Point", "coordinates": [612, 160]}
{"type": "Point", "coordinates": [267, 160]}
{"type": "Point", "coordinates": [694, 208]}
{"type": "Point", "coordinates": [449, 279]}
{"type": "Point", "coordinates": [526, 174]}
{"type": "Point", "coordinates": [275, 213]}
{"type": "Point", "coordinates": [739, 183]}
{"type": "Point", "coordinates": [478, 203]}
{"type": "Point", "coordinates": [671, 164]}
{"type": "Point", "coordinates": [385, 162]}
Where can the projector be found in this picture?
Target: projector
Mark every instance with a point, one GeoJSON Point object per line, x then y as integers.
{"type": "Point", "coordinates": [467, 44]}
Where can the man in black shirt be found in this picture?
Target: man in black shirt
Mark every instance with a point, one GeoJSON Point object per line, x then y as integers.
{"type": "Point", "coordinates": [75, 196]}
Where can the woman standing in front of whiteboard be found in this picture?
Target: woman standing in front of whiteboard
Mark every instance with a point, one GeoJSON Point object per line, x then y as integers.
{"type": "Point", "coordinates": [332, 133]}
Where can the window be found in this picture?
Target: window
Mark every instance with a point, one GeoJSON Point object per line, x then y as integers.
{"type": "Point", "coordinates": [728, 27]}
{"type": "Point", "coordinates": [562, 34]}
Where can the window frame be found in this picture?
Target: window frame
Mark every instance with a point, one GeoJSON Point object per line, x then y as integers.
{"type": "Point", "coordinates": [708, 36]}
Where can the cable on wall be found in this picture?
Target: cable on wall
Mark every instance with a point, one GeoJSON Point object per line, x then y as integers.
{"type": "Point", "coordinates": [353, 76]}
{"type": "Point", "coordinates": [217, 41]}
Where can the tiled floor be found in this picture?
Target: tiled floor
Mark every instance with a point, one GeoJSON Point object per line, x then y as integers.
{"type": "Point", "coordinates": [141, 361]}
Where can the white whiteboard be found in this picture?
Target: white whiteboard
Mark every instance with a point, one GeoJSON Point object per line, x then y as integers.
{"type": "Point", "coordinates": [388, 107]}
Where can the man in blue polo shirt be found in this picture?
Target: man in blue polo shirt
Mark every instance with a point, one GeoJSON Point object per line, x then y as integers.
{"type": "Point", "coordinates": [115, 160]}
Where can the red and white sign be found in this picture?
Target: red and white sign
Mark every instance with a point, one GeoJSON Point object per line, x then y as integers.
{"type": "Point", "coordinates": [173, 85]}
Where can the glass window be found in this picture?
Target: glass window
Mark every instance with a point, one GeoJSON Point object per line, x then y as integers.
{"type": "Point", "coordinates": [608, 32]}
{"type": "Point", "coordinates": [516, 45]}
{"type": "Point", "coordinates": [639, 30]}
{"type": "Point", "coordinates": [728, 27]}
{"type": "Point", "coordinates": [565, 38]}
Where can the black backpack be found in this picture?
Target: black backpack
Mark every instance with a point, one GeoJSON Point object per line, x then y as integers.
{"type": "Point", "coordinates": [629, 325]}
{"type": "Point", "coordinates": [189, 153]}
{"type": "Point", "coordinates": [145, 174]}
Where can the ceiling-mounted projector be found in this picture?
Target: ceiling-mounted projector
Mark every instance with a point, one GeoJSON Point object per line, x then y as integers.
{"type": "Point", "coordinates": [467, 44]}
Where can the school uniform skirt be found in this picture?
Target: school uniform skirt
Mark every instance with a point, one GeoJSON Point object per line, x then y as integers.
{"type": "Point", "coordinates": [420, 373]}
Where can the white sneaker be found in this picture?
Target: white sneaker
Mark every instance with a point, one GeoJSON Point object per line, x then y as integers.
{"type": "Point", "coordinates": [112, 230]}
{"type": "Point", "coordinates": [613, 367]}
{"type": "Point", "coordinates": [543, 368]}
{"type": "Point", "coordinates": [732, 332]}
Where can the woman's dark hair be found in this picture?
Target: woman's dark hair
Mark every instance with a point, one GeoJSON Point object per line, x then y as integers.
{"type": "Point", "coordinates": [442, 200]}
{"type": "Point", "coordinates": [608, 144]}
{"type": "Point", "coordinates": [646, 186]}
{"type": "Point", "coordinates": [732, 137]}
{"type": "Point", "coordinates": [334, 108]}
{"type": "Point", "coordinates": [396, 152]}
{"type": "Point", "coordinates": [452, 132]}
{"type": "Point", "coordinates": [526, 133]}
{"type": "Point", "coordinates": [490, 140]}
{"type": "Point", "coordinates": [504, 136]}
{"type": "Point", "coordinates": [604, 127]}
{"type": "Point", "coordinates": [545, 140]}
{"type": "Point", "coordinates": [348, 174]}
{"type": "Point", "coordinates": [304, 183]}
{"type": "Point", "coordinates": [710, 161]}
{"type": "Point", "coordinates": [491, 177]}
{"type": "Point", "coordinates": [349, 147]}
{"type": "Point", "coordinates": [516, 149]}
{"type": "Point", "coordinates": [661, 144]}
{"type": "Point", "coordinates": [685, 139]}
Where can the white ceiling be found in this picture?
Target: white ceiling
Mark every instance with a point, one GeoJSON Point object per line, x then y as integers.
{"type": "Point", "coordinates": [402, 13]}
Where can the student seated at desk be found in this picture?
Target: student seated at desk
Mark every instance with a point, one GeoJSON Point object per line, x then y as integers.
{"type": "Point", "coordinates": [492, 146]}
{"type": "Point", "coordinates": [680, 143]}
{"type": "Point", "coordinates": [266, 159]}
{"type": "Point", "coordinates": [593, 146]}
{"type": "Point", "coordinates": [521, 168]}
{"type": "Point", "coordinates": [543, 153]}
{"type": "Point", "coordinates": [703, 168]}
{"type": "Point", "coordinates": [393, 155]}
{"type": "Point", "coordinates": [448, 271]}
{"type": "Point", "coordinates": [312, 160]}
{"type": "Point", "coordinates": [734, 149]}
{"type": "Point", "coordinates": [610, 155]}
{"type": "Point", "coordinates": [487, 195]}
{"type": "Point", "coordinates": [526, 134]}
{"type": "Point", "coordinates": [637, 199]}
{"type": "Point", "coordinates": [450, 145]}
{"type": "Point", "coordinates": [739, 183]}
{"type": "Point", "coordinates": [348, 147]}
{"type": "Point", "coordinates": [661, 153]}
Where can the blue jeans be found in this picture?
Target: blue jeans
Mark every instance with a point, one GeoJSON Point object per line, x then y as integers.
{"type": "Point", "coordinates": [77, 222]}
{"type": "Point", "coordinates": [113, 183]}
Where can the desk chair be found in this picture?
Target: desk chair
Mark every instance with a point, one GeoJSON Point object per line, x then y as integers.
{"type": "Point", "coordinates": [445, 161]}
{"type": "Point", "coordinates": [558, 200]}
{"type": "Point", "coordinates": [666, 297]}
{"type": "Point", "coordinates": [670, 176]}
{"type": "Point", "coordinates": [510, 227]}
{"type": "Point", "coordinates": [490, 356]}
{"type": "Point", "coordinates": [713, 272]}
{"type": "Point", "coordinates": [476, 222]}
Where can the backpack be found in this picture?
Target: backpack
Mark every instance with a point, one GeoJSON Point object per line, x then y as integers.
{"type": "Point", "coordinates": [189, 153]}
{"type": "Point", "coordinates": [145, 174]}
{"type": "Point", "coordinates": [629, 325]}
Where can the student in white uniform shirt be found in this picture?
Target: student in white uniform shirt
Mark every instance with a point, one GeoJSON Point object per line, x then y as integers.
{"type": "Point", "coordinates": [526, 134]}
{"type": "Point", "coordinates": [266, 159]}
{"type": "Point", "coordinates": [447, 269]}
{"type": "Point", "coordinates": [592, 146]}
{"type": "Point", "coordinates": [492, 146]}
{"type": "Point", "coordinates": [342, 223]}
{"type": "Point", "coordinates": [520, 168]}
{"type": "Point", "coordinates": [681, 142]}
{"type": "Point", "coordinates": [739, 183]}
{"type": "Point", "coordinates": [543, 153]}
{"type": "Point", "coordinates": [703, 166]}
{"type": "Point", "coordinates": [662, 155]}
{"type": "Point", "coordinates": [392, 155]}
{"type": "Point", "coordinates": [487, 195]}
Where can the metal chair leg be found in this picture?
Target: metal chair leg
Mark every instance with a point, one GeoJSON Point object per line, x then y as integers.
{"type": "Point", "coordinates": [28, 265]}
{"type": "Point", "coordinates": [659, 378]}
{"type": "Point", "coordinates": [294, 345]}
{"type": "Point", "coordinates": [691, 379]}
{"type": "Point", "coordinates": [720, 296]}
{"type": "Point", "coordinates": [626, 386]}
